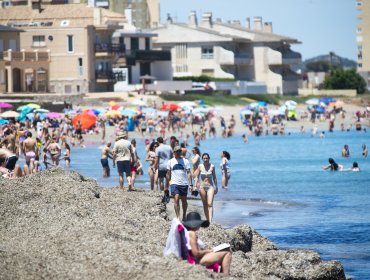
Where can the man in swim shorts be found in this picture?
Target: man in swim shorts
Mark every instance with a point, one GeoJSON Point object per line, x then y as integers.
{"type": "Point", "coordinates": [163, 154]}
{"type": "Point", "coordinates": [105, 154]}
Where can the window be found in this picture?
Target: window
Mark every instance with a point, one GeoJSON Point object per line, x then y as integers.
{"type": "Point", "coordinates": [208, 72]}
{"type": "Point", "coordinates": [70, 43]}
{"type": "Point", "coordinates": [80, 66]}
{"type": "Point", "coordinates": [147, 44]}
{"type": "Point", "coordinates": [38, 41]}
{"type": "Point", "coordinates": [359, 65]}
{"type": "Point", "coordinates": [67, 89]}
{"type": "Point", "coordinates": [134, 43]}
{"type": "Point", "coordinates": [207, 52]}
{"type": "Point", "coordinates": [1, 45]}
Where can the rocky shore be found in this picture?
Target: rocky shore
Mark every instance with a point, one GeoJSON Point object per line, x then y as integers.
{"type": "Point", "coordinates": [59, 225]}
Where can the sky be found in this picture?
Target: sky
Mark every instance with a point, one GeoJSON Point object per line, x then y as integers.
{"type": "Point", "coordinates": [322, 26]}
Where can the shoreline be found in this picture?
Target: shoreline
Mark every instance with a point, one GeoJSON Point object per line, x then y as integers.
{"type": "Point", "coordinates": [57, 224]}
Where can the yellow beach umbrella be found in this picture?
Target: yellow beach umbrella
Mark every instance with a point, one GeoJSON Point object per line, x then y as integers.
{"type": "Point", "coordinates": [113, 113]}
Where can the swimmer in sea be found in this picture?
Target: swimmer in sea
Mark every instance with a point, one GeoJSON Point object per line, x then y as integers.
{"type": "Point", "coordinates": [345, 151]}
{"type": "Point", "coordinates": [364, 151]}
{"type": "Point", "coordinates": [333, 166]}
{"type": "Point", "coordinates": [354, 168]}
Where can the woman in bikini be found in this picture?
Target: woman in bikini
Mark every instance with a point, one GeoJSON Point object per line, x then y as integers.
{"type": "Point", "coordinates": [207, 186]}
{"type": "Point", "coordinates": [150, 157]}
{"type": "Point", "coordinates": [225, 168]}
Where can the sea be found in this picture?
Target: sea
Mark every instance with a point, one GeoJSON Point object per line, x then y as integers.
{"type": "Point", "coordinates": [279, 188]}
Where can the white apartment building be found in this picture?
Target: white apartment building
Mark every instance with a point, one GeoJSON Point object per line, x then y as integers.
{"type": "Point", "coordinates": [230, 50]}
{"type": "Point", "coordinates": [363, 40]}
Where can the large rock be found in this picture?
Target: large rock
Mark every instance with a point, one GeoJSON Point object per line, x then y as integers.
{"type": "Point", "coordinates": [59, 225]}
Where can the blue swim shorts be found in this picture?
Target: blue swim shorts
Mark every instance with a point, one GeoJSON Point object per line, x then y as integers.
{"type": "Point", "coordinates": [181, 190]}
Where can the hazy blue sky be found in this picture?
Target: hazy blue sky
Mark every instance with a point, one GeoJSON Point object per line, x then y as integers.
{"type": "Point", "coordinates": [321, 25]}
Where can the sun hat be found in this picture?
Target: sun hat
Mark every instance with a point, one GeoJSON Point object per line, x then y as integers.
{"type": "Point", "coordinates": [193, 220]}
{"type": "Point", "coordinates": [121, 135]}
{"type": "Point", "coordinates": [177, 148]}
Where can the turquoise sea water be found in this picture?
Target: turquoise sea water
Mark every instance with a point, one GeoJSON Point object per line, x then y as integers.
{"type": "Point", "coordinates": [278, 187]}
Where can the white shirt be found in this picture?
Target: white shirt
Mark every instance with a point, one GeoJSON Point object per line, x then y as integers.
{"type": "Point", "coordinates": [178, 168]}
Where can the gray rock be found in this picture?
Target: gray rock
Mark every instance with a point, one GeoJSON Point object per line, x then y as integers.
{"type": "Point", "coordinates": [60, 225]}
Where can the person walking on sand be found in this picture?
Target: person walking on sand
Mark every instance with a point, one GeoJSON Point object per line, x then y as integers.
{"type": "Point", "coordinates": [163, 154]}
{"type": "Point", "coordinates": [105, 154]}
{"type": "Point", "coordinates": [123, 157]}
{"type": "Point", "coordinates": [178, 172]}
{"type": "Point", "coordinates": [150, 157]}
{"type": "Point", "coordinates": [135, 164]}
{"type": "Point", "coordinates": [207, 186]}
{"type": "Point", "coordinates": [225, 168]}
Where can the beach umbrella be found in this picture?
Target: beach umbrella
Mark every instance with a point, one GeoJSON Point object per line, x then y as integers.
{"type": "Point", "coordinates": [33, 105]}
{"type": "Point", "coordinates": [5, 105]}
{"type": "Point", "coordinates": [3, 121]}
{"type": "Point", "coordinates": [312, 101]}
{"type": "Point", "coordinates": [246, 112]}
{"type": "Point", "coordinates": [139, 102]}
{"type": "Point", "coordinates": [90, 112]}
{"type": "Point", "coordinates": [42, 110]}
{"type": "Point", "coordinates": [327, 100]}
{"type": "Point", "coordinates": [187, 104]}
{"type": "Point", "coordinates": [128, 112]}
{"type": "Point", "coordinates": [201, 110]}
{"type": "Point", "coordinates": [290, 103]}
{"type": "Point", "coordinates": [10, 114]}
{"type": "Point", "coordinates": [169, 107]}
{"type": "Point", "coordinates": [87, 121]}
{"type": "Point", "coordinates": [148, 110]}
{"type": "Point", "coordinates": [319, 109]}
{"type": "Point", "coordinates": [113, 113]}
{"type": "Point", "coordinates": [112, 103]}
{"type": "Point", "coordinates": [250, 100]}
{"type": "Point", "coordinates": [258, 104]}
{"type": "Point", "coordinates": [116, 107]}
{"type": "Point", "coordinates": [53, 115]}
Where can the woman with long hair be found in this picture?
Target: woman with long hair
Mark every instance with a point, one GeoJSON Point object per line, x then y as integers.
{"type": "Point", "coordinates": [207, 186]}
{"type": "Point", "coordinates": [225, 168]}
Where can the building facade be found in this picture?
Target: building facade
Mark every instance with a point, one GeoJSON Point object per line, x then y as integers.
{"type": "Point", "coordinates": [78, 39]}
{"type": "Point", "coordinates": [20, 70]}
{"type": "Point", "coordinates": [363, 40]}
{"type": "Point", "coordinates": [229, 50]}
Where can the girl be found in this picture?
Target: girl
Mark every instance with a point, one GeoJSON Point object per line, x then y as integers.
{"type": "Point", "coordinates": [225, 168]}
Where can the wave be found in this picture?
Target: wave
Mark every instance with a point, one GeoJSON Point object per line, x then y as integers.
{"type": "Point", "coordinates": [252, 214]}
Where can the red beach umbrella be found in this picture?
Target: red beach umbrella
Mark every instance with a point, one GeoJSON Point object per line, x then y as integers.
{"type": "Point", "coordinates": [87, 120]}
{"type": "Point", "coordinates": [169, 107]}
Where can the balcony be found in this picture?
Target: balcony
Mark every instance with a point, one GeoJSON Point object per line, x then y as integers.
{"type": "Point", "coordinates": [102, 49]}
{"type": "Point", "coordinates": [133, 56]}
{"type": "Point", "coordinates": [227, 57]}
{"type": "Point", "coordinates": [34, 56]}
{"type": "Point", "coordinates": [105, 76]}
{"type": "Point", "coordinates": [290, 57]}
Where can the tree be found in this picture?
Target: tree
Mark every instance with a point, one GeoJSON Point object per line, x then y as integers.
{"type": "Point", "coordinates": [345, 79]}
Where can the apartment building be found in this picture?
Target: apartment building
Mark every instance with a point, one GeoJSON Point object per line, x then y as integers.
{"type": "Point", "coordinates": [230, 50]}
{"type": "Point", "coordinates": [78, 39]}
{"type": "Point", "coordinates": [363, 40]}
{"type": "Point", "coordinates": [20, 70]}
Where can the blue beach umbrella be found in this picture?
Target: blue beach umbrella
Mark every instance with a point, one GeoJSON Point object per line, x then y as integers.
{"type": "Point", "coordinates": [2, 121]}
{"type": "Point", "coordinates": [128, 112]}
{"type": "Point", "coordinates": [327, 100]}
